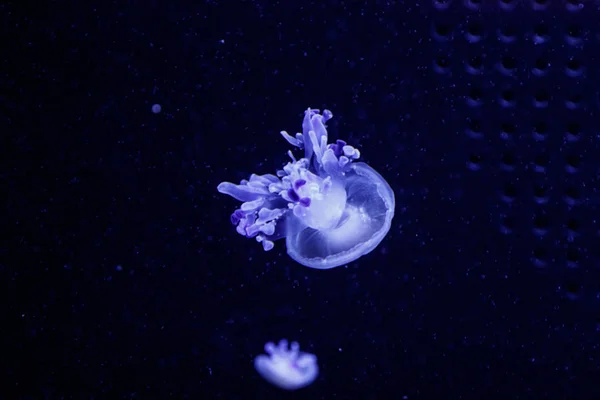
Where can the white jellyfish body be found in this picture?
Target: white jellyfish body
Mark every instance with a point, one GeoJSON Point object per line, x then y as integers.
{"type": "Point", "coordinates": [330, 209]}
{"type": "Point", "coordinates": [287, 368]}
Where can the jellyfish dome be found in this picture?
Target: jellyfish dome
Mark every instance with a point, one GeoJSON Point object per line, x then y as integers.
{"type": "Point", "coordinates": [287, 368]}
{"type": "Point", "coordinates": [331, 209]}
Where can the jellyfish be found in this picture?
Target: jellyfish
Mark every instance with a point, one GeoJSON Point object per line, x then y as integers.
{"type": "Point", "coordinates": [330, 209]}
{"type": "Point", "coordinates": [287, 368]}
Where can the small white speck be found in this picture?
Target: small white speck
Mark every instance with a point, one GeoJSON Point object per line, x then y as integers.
{"type": "Point", "coordinates": [119, 268]}
{"type": "Point", "coordinates": [156, 108]}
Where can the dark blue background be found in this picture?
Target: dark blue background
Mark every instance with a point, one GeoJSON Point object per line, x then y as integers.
{"type": "Point", "coordinates": [123, 278]}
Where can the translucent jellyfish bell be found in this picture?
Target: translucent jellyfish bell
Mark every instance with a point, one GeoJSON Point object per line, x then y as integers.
{"type": "Point", "coordinates": [287, 368]}
{"type": "Point", "coordinates": [330, 209]}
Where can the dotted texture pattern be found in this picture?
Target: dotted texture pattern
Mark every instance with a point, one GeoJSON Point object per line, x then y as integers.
{"type": "Point", "coordinates": [530, 106]}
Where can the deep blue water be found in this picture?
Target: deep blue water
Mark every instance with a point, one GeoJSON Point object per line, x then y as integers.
{"type": "Point", "coordinates": [122, 276]}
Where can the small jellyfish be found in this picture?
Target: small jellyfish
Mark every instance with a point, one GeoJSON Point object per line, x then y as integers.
{"type": "Point", "coordinates": [330, 209]}
{"type": "Point", "coordinates": [287, 368]}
